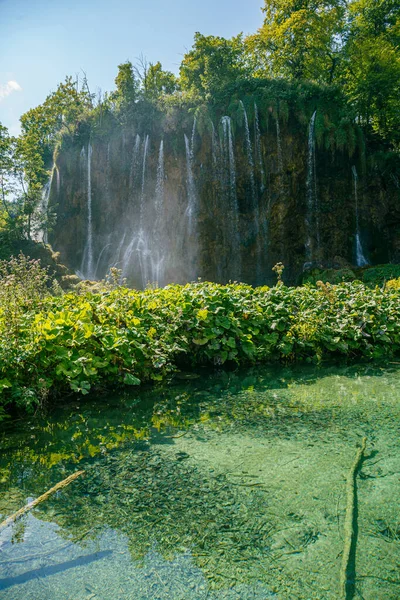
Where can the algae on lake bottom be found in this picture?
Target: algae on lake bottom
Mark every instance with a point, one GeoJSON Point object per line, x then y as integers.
{"type": "Point", "coordinates": [231, 486]}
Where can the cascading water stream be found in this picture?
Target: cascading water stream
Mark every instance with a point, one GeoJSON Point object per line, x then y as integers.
{"type": "Point", "coordinates": [44, 207]}
{"type": "Point", "coordinates": [264, 221]}
{"type": "Point", "coordinates": [191, 188]}
{"type": "Point", "coordinates": [142, 244]}
{"type": "Point", "coordinates": [250, 160]}
{"type": "Point", "coordinates": [214, 149]}
{"type": "Point", "coordinates": [233, 216]}
{"type": "Point", "coordinates": [136, 185]}
{"type": "Point", "coordinates": [160, 187]}
{"type": "Point", "coordinates": [90, 274]}
{"type": "Point", "coordinates": [86, 270]}
{"type": "Point", "coordinates": [142, 193]}
{"type": "Point", "coordinates": [279, 146]}
{"type": "Point", "coordinates": [256, 208]}
{"type": "Point", "coordinates": [108, 172]}
{"type": "Point", "coordinates": [312, 218]}
{"type": "Point", "coordinates": [361, 261]}
{"type": "Point", "coordinates": [158, 250]}
{"type": "Point", "coordinates": [193, 136]}
{"type": "Point", "coordinates": [257, 137]}
{"type": "Point", "coordinates": [118, 261]}
{"type": "Point", "coordinates": [58, 180]}
{"type": "Point", "coordinates": [134, 163]}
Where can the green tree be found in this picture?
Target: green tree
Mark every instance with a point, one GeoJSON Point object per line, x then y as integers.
{"type": "Point", "coordinates": [127, 86]}
{"type": "Point", "coordinates": [42, 127]}
{"type": "Point", "coordinates": [11, 187]}
{"type": "Point", "coordinates": [159, 82]}
{"type": "Point", "coordinates": [300, 39]}
{"type": "Point", "coordinates": [371, 73]}
{"type": "Point", "coordinates": [211, 64]}
{"type": "Point", "coordinates": [6, 167]}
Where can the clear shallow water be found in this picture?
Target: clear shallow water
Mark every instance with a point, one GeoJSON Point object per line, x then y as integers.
{"type": "Point", "coordinates": [228, 486]}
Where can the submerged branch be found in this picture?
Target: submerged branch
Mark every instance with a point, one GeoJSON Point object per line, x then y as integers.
{"type": "Point", "coordinates": [350, 525]}
{"type": "Point", "coordinates": [41, 498]}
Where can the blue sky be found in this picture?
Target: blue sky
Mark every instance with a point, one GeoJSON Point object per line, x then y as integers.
{"type": "Point", "coordinates": [42, 41]}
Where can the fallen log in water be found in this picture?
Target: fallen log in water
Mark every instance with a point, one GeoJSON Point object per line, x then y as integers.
{"type": "Point", "coordinates": [41, 498]}
{"type": "Point", "coordinates": [349, 524]}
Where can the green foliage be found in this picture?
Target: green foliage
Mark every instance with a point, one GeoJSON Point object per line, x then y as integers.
{"type": "Point", "coordinates": [116, 337]}
{"type": "Point", "coordinates": [393, 284]}
{"type": "Point", "coordinates": [211, 64]}
{"type": "Point", "coordinates": [299, 39]}
{"type": "Point", "coordinates": [23, 283]}
{"type": "Point", "coordinates": [371, 69]}
{"type": "Point", "coordinates": [354, 45]}
{"type": "Point", "coordinates": [159, 82]}
{"type": "Point", "coordinates": [333, 276]}
{"type": "Point", "coordinates": [371, 276]}
{"type": "Point", "coordinates": [61, 111]}
{"type": "Point", "coordinates": [16, 203]}
{"type": "Point", "coordinates": [127, 87]}
{"type": "Point", "coordinates": [381, 274]}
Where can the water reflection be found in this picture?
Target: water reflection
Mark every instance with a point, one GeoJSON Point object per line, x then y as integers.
{"type": "Point", "coordinates": [227, 486]}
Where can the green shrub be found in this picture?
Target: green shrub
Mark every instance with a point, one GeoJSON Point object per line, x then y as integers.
{"type": "Point", "coordinates": [329, 276]}
{"type": "Point", "coordinates": [379, 275]}
{"type": "Point", "coordinates": [120, 336]}
{"type": "Point", "coordinates": [393, 284]}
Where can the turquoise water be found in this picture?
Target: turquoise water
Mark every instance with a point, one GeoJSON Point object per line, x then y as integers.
{"type": "Point", "coordinates": [217, 486]}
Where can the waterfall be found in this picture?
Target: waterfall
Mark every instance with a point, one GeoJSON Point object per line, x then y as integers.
{"type": "Point", "coordinates": [214, 148]}
{"type": "Point", "coordinates": [126, 258]}
{"type": "Point", "coordinates": [254, 199]}
{"type": "Point", "coordinates": [134, 162]}
{"type": "Point", "coordinates": [44, 208]}
{"type": "Point", "coordinates": [90, 273]}
{"type": "Point", "coordinates": [158, 250]}
{"type": "Point", "coordinates": [160, 184]}
{"type": "Point", "coordinates": [108, 172]}
{"type": "Point", "coordinates": [193, 136]}
{"type": "Point", "coordinates": [191, 188]}
{"type": "Point", "coordinates": [312, 218]}
{"type": "Point", "coordinates": [139, 240]}
{"type": "Point", "coordinates": [58, 180]}
{"type": "Point", "coordinates": [233, 215]}
{"type": "Point", "coordinates": [249, 151]}
{"type": "Point", "coordinates": [142, 193]}
{"type": "Point", "coordinates": [142, 243]}
{"type": "Point", "coordinates": [257, 136]}
{"type": "Point", "coordinates": [105, 247]}
{"type": "Point", "coordinates": [279, 146]}
{"type": "Point", "coordinates": [361, 261]}
{"type": "Point", "coordinates": [263, 243]}
{"type": "Point", "coordinates": [86, 270]}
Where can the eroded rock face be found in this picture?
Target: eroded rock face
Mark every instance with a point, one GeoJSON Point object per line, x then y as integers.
{"type": "Point", "coordinates": [199, 207]}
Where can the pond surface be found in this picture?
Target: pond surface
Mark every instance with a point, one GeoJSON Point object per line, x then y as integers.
{"type": "Point", "coordinates": [225, 486]}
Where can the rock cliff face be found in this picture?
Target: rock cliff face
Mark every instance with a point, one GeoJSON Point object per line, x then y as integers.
{"type": "Point", "coordinates": [221, 200]}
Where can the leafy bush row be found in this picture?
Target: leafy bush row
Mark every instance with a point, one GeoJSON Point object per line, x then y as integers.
{"type": "Point", "coordinates": [75, 342]}
{"type": "Point", "coordinates": [371, 276]}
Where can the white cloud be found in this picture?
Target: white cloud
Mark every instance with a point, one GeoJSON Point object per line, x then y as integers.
{"type": "Point", "coordinates": [8, 88]}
